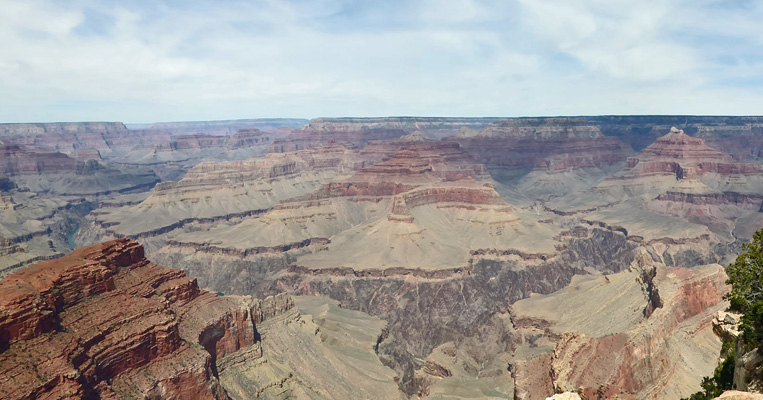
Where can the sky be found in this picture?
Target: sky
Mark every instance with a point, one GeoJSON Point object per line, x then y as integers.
{"type": "Point", "coordinates": [149, 61]}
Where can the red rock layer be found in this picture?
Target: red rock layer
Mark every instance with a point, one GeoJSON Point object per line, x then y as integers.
{"type": "Point", "coordinates": [104, 322]}
{"type": "Point", "coordinates": [640, 363]}
{"type": "Point", "coordinates": [408, 174]}
{"type": "Point", "coordinates": [684, 156]}
{"type": "Point", "coordinates": [446, 159]}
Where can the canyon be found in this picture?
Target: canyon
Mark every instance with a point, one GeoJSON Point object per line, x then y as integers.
{"type": "Point", "coordinates": [104, 322]}
{"type": "Point", "coordinates": [447, 257]}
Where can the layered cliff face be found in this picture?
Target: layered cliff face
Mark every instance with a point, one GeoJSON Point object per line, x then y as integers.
{"type": "Point", "coordinates": [186, 151]}
{"type": "Point", "coordinates": [423, 235]}
{"type": "Point", "coordinates": [40, 170]}
{"type": "Point", "coordinates": [683, 156]}
{"type": "Point", "coordinates": [220, 191]}
{"type": "Point", "coordinates": [358, 132]}
{"type": "Point", "coordinates": [741, 137]}
{"type": "Point", "coordinates": [399, 212]}
{"type": "Point", "coordinates": [550, 143]}
{"type": "Point", "coordinates": [446, 159]}
{"type": "Point", "coordinates": [107, 137]}
{"type": "Point", "coordinates": [539, 158]}
{"type": "Point", "coordinates": [682, 176]}
{"type": "Point", "coordinates": [152, 144]}
{"type": "Point", "coordinates": [35, 129]}
{"type": "Point", "coordinates": [402, 229]}
{"type": "Point", "coordinates": [44, 196]}
{"type": "Point", "coordinates": [619, 350]}
{"type": "Point", "coordinates": [104, 322]}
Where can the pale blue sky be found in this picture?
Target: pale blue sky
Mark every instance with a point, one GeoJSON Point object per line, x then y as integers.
{"type": "Point", "coordinates": [144, 61]}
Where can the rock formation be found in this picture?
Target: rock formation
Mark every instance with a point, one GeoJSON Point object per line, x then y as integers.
{"type": "Point", "coordinates": [40, 170]}
{"type": "Point", "coordinates": [106, 137]}
{"type": "Point", "coordinates": [682, 176]}
{"type": "Point", "coordinates": [358, 132]}
{"type": "Point", "coordinates": [620, 352]}
{"type": "Point", "coordinates": [399, 227]}
{"type": "Point", "coordinates": [222, 128]}
{"type": "Point", "coordinates": [485, 253]}
{"type": "Point", "coordinates": [737, 395]}
{"type": "Point", "coordinates": [104, 322]}
{"type": "Point", "coordinates": [553, 144]}
{"type": "Point", "coordinates": [532, 158]}
{"type": "Point", "coordinates": [220, 191]}
{"type": "Point", "coordinates": [399, 212]}
{"type": "Point", "coordinates": [680, 155]}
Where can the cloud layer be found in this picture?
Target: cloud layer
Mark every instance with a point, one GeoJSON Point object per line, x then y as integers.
{"type": "Point", "coordinates": [149, 61]}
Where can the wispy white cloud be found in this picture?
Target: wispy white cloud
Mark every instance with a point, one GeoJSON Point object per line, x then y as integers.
{"type": "Point", "coordinates": [146, 61]}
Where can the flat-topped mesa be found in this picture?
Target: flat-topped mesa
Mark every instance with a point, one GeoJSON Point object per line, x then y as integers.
{"type": "Point", "coordinates": [104, 320]}
{"type": "Point", "coordinates": [685, 157]}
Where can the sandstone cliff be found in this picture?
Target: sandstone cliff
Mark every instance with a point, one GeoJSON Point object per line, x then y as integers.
{"type": "Point", "coordinates": [104, 322]}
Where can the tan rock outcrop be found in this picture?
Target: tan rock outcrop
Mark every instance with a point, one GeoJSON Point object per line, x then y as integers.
{"type": "Point", "coordinates": [738, 395]}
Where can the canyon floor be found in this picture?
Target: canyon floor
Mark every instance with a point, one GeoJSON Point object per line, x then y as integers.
{"type": "Point", "coordinates": [446, 258]}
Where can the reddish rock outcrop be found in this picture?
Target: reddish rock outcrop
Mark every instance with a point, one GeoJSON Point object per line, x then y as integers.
{"type": "Point", "coordinates": [104, 322]}
{"type": "Point", "coordinates": [412, 178]}
{"type": "Point", "coordinates": [446, 159]}
{"type": "Point", "coordinates": [684, 156]}
{"type": "Point", "coordinates": [640, 362]}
